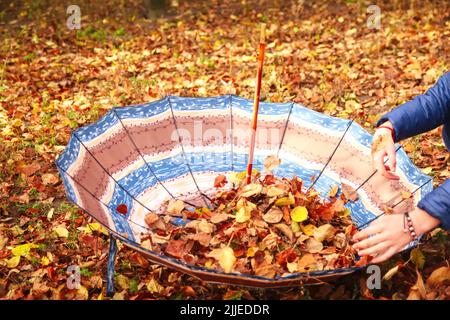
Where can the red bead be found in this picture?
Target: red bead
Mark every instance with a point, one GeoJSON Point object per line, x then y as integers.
{"type": "Point", "coordinates": [122, 208]}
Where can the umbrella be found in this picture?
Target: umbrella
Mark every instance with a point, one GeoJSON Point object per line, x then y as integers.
{"type": "Point", "coordinates": [135, 158]}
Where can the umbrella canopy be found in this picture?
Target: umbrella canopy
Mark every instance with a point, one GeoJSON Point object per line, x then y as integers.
{"type": "Point", "coordinates": [134, 159]}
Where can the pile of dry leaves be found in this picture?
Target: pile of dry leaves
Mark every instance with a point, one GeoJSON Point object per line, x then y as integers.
{"type": "Point", "coordinates": [270, 227]}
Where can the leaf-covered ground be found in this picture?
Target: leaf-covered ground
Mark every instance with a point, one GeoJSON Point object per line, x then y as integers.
{"type": "Point", "coordinates": [323, 55]}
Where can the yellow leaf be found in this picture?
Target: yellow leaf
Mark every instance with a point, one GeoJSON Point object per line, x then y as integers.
{"type": "Point", "coordinates": [237, 177]}
{"type": "Point", "coordinates": [243, 215]}
{"type": "Point", "coordinates": [13, 262]}
{"type": "Point", "coordinates": [251, 251]}
{"type": "Point", "coordinates": [285, 201]}
{"type": "Point", "coordinates": [23, 250]}
{"type": "Point", "coordinates": [344, 213]}
{"type": "Point", "coordinates": [61, 231]}
{"type": "Point", "coordinates": [175, 206]}
{"type": "Point", "coordinates": [427, 170]}
{"type": "Point", "coordinates": [388, 276]}
{"type": "Point", "coordinates": [82, 293]}
{"type": "Point", "coordinates": [50, 213]}
{"type": "Point", "coordinates": [154, 287]}
{"type": "Point", "coordinates": [123, 282]}
{"type": "Point", "coordinates": [417, 257]}
{"type": "Point", "coordinates": [295, 227]}
{"type": "Point", "coordinates": [94, 226]}
{"type": "Point", "coordinates": [333, 191]}
{"type": "Point", "coordinates": [225, 257]}
{"type": "Point", "coordinates": [45, 261]}
{"type": "Point", "coordinates": [299, 214]}
{"type": "Point", "coordinates": [292, 267]}
{"type": "Point", "coordinates": [308, 229]}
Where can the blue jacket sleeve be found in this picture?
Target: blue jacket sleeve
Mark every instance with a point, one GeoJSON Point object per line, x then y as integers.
{"type": "Point", "coordinates": [425, 112]}
{"type": "Point", "coordinates": [437, 204]}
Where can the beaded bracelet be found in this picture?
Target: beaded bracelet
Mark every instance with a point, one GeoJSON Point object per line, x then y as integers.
{"type": "Point", "coordinates": [407, 221]}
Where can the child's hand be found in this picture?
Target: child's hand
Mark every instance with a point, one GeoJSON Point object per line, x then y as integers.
{"type": "Point", "coordinates": [383, 145]}
{"type": "Point", "coordinates": [385, 236]}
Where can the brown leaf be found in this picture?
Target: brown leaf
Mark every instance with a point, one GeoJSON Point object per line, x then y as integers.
{"type": "Point", "coordinates": [273, 216]}
{"type": "Point", "coordinates": [220, 181]}
{"type": "Point", "coordinates": [349, 192]}
{"type": "Point", "coordinates": [438, 277]}
{"type": "Point", "coordinates": [178, 248]}
{"type": "Point", "coordinates": [271, 162]}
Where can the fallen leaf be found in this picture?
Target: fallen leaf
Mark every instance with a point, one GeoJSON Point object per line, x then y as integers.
{"type": "Point", "coordinates": [299, 214]}
{"type": "Point", "coordinates": [285, 230]}
{"type": "Point", "coordinates": [49, 179]}
{"type": "Point", "coordinates": [313, 246]}
{"type": "Point", "coordinates": [285, 201]}
{"type": "Point", "coordinates": [225, 257]}
{"type": "Point", "coordinates": [220, 181]}
{"type": "Point", "coordinates": [349, 192]}
{"type": "Point", "coordinates": [274, 215]}
{"type": "Point", "coordinates": [333, 191]}
{"type": "Point", "coordinates": [61, 231]}
{"type": "Point", "coordinates": [13, 262]}
{"type": "Point", "coordinates": [251, 190]}
{"type": "Point", "coordinates": [391, 272]}
{"type": "Point", "coordinates": [271, 162]}
{"type": "Point", "coordinates": [154, 287]}
{"type": "Point", "coordinates": [417, 257]}
{"type": "Point", "coordinates": [324, 232]}
{"type": "Point", "coordinates": [175, 207]}
{"type": "Point", "coordinates": [151, 218]}
{"type": "Point", "coordinates": [438, 276]}
{"type": "Point", "coordinates": [23, 250]}
{"type": "Point", "coordinates": [308, 229]}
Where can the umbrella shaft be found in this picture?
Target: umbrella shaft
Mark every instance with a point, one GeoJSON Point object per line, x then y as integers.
{"type": "Point", "coordinates": [262, 47]}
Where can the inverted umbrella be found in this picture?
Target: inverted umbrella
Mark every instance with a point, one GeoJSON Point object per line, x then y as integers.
{"type": "Point", "coordinates": [136, 158]}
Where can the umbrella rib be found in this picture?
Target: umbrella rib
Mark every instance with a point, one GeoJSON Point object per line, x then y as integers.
{"type": "Point", "coordinates": [142, 156]}
{"type": "Point", "coordinates": [395, 205]}
{"type": "Point", "coordinates": [373, 173]}
{"type": "Point", "coordinates": [331, 156]}
{"type": "Point", "coordinates": [184, 154]}
{"type": "Point", "coordinates": [231, 132]}
{"type": "Point", "coordinates": [285, 128]}
{"type": "Point", "coordinates": [109, 174]}
{"type": "Point", "coordinates": [100, 201]}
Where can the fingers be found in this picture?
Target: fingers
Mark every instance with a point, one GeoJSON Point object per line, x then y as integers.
{"type": "Point", "coordinates": [374, 250]}
{"type": "Point", "coordinates": [392, 155]}
{"type": "Point", "coordinates": [385, 255]}
{"type": "Point", "coordinates": [378, 162]}
{"type": "Point", "coordinates": [370, 242]}
{"type": "Point", "coordinates": [373, 229]}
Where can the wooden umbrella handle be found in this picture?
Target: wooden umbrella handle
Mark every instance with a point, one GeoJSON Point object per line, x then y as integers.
{"type": "Point", "coordinates": [262, 47]}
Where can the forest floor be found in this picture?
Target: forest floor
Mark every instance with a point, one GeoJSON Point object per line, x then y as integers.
{"type": "Point", "coordinates": [323, 55]}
